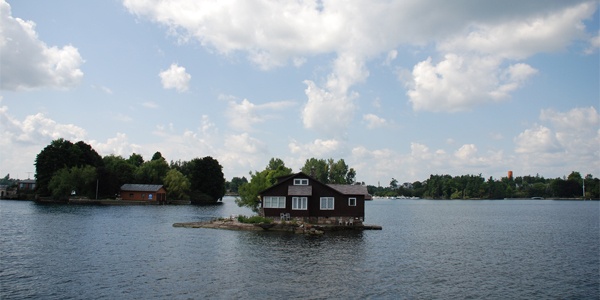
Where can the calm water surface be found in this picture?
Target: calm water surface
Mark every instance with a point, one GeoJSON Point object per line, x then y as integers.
{"type": "Point", "coordinates": [427, 250]}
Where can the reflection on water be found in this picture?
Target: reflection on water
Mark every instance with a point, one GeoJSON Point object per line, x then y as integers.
{"type": "Point", "coordinates": [427, 249]}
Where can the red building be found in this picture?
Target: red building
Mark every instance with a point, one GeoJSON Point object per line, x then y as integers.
{"type": "Point", "coordinates": [299, 196]}
{"type": "Point", "coordinates": [143, 192]}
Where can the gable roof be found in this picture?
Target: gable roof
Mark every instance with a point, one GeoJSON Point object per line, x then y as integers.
{"type": "Point", "coordinates": [348, 189]}
{"type": "Point", "coordinates": [141, 187]}
{"type": "Point", "coordinates": [306, 190]}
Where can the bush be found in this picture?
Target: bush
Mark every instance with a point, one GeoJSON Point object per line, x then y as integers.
{"type": "Point", "coordinates": [254, 219]}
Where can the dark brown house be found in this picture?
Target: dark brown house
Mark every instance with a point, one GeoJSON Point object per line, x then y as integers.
{"type": "Point", "coordinates": [143, 192]}
{"type": "Point", "coordinates": [299, 196]}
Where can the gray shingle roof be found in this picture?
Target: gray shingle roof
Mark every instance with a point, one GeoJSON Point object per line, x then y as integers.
{"type": "Point", "coordinates": [347, 189]}
{"type": "Point", "coordinates": [300, 190]}
{"type": "Point", "coordinates": [141, 187]}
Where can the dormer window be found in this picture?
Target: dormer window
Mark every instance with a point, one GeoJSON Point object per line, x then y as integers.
{"type": "Point", "coordinates": [300, 181]}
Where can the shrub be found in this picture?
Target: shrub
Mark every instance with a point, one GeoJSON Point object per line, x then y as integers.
{"type": "Point", "coordinates": [254, 219]}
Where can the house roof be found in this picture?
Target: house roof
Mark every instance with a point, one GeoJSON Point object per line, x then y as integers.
{"type": "Point", "coordinates": [306, 190]}
{"type": "Point", "coordinates": [141, 187]}
{"type": "Point", "coordinates": [300, 190]}
{"type": "Point", "coordinates": [348, 189]}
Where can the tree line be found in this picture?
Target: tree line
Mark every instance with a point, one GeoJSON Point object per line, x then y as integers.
{"type": "Point", "coordinates": [65, 169]}
{"type": "Point", "coordinates": [477, 187]}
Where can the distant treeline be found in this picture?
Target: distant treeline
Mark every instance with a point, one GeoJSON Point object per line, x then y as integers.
{"type": "Point", "coordinates": [65, 169]}
{"type": "Point", "coordinates": [477, 187]}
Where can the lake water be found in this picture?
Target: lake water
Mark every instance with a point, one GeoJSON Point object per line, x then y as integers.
{"type": "Point", "coordinates": [501, 249]}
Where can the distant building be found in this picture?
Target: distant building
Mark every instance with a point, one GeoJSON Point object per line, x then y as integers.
{"type": "Point", "coordinates": [143, 192]}
{"type": "Point", "coordinates": [303, 197]}
{"type": "Point", "coordinates": [26, 186]}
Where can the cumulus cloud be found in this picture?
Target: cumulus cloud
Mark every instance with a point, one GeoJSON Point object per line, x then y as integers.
{"type": "Point", "coordinates": [22, 140]}
{"type": "Point", "coordinates": [472, 71]}
{"type": "Point", "coordinates": [118, 145]}
{"type": "Point", "coordinates": [175, 77]}
{"type": "Point", "coordinates": [327, 112]}
{"type": "Point", "coordinates": [28, 63]}
{"type": "Point", "coordinates": [374, 121]}
{"type": "Point", "coordinates": [565, 140]}
{"type": "Point", "coordinates": [318, 148]}
{"type": "Point", "coordinates": [481, 44]}
{"type": "Point", "coordinates": [245, 114]}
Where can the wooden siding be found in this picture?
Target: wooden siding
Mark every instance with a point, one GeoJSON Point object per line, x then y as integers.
{"type": "Point", "coordinates": [314, 191]}
{"type": "Point", "coordinates": [159, 195]}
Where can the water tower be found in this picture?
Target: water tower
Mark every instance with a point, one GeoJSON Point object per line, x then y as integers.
{"type": "Point", "coordinates": [509, 175]}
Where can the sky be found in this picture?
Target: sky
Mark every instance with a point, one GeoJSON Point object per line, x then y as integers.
{"type": "Point", "coordinates": [397, 89]}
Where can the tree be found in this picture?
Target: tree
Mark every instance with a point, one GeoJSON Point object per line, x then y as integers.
{"type": "Point", "coordinates": [136, 160]}
{"type": "Point", "coordinates": [394, 184]}
{"type": "Point", "coordinates": [329, 171]}
{"type": "Point", "coordinates": [236, 182]}
{"type": "Point", "coordinates": [116, 172]}
{"type": "Point", "coordinates": [206, 179]}
{"type": "Point", "coordinates": [177, 185]}
{"type": "Point", "coordinates": [60, 154]}
{"type": "Point", "coordinates": [80, 181]}
{"type": "Point", "coordinates": [316, 168]}
{"type": "Point", "coordinates": [152, 172]}
{"type": "Point", "coordinates": [260, 181]}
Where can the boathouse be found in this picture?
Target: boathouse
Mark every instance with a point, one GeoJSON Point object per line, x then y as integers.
{"type": "Point", "coordinates": [299, 196]}
{"type": "Point", "coordinates": [143, 192]}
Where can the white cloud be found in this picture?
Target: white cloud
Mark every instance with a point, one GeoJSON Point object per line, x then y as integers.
{"type": "Point", "coordinates": [472, 71]}
{"type": "Point", "coordinates": [568, 141]}
{"type": "Point", "coordinates": [374, 121]}
{"type": "Point", "coordinates": [522, 37]}
{"type": "Point", "coordinates": [594, 44]}
{"type": "Point", "coordinates": [28, 63]}
{"type": "Point", "coordinates": [119, 145]}
{"type": "Point", "coordinates": [327, 112]}
{"type": "Point", "coordinates": [22, 141]}
{"type": "Point", "coordinates": [175, 77]}
{"type": "Point", "coordinates": [461, 82]}
{"type": "Point", "coordinates": [245, 114]}
{"type": "Point", "coordinates": [537, 139]}
{"type": "Point", "coordinates": [318, 148]}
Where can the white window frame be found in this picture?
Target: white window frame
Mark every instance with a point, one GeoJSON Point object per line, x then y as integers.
{"type": "Point", "coordinates": [274, 202]}
{"type": "Point", "coordinates": [325, 201]}
{"type": "Point", "coordinates": [300, 203]}
{"type": "Point", "coordinates": [350, 200]}
{"type": "Point", "coordinates": [300, 181]}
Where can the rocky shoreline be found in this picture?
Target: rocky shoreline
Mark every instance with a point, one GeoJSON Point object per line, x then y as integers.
{"type": "Point", "coordinates": [285, 226]}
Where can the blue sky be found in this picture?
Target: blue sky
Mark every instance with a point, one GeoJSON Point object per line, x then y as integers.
{"type": "Point", "coordinates": [398, 89]}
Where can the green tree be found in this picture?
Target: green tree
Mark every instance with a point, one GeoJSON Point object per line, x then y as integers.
{"type": "Point", "coordinates": [116, 172]}
{"type": "Point", "coordinates": [177, 185]}
{"type": "Point", "coordinates": [136, 159]}
{"type": "Point", "coordinates": [152, 172]}
{"type": "Point", "coordinates": [259, 181]}
{"type": "Point", "coordinates": [317, 168]}
{"type": "Point", "coordinates": [394, 184]}
{"type": "Point", "coordinates": [206, 179]}
{"type": "Point", "coordinates": [60, 154]}
{"type": "Point", "coordinates": [80, 181]}
{"type": "Point", "coordinates": [236, 182]}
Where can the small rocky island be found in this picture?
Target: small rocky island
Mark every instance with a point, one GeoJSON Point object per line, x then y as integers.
{"type": "Point", "coordinates": [295, 226]}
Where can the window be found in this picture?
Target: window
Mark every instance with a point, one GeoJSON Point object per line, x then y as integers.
{"type": "Point", "coordinates": [299, 203]}
{"type": "Point", "coordinates": [274, 202]}
{"type": "Point", "coordinates": [149, 196]}
{"type": "Point", "coordinates": [351, 201]}
{"type": "Point", "coordinates": [300, 181]}
{"type": "Point", "coordinates": [327, 203]}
